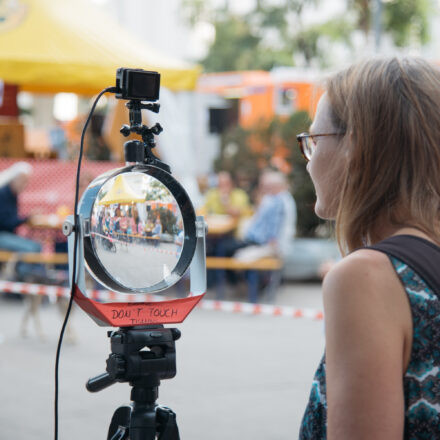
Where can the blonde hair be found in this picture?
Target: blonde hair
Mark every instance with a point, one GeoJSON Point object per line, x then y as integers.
{"type": "Point", "coordinates": [389, 110]}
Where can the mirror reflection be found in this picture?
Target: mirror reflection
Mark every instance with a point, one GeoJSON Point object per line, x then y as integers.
{"type": "Point", "coordinates": [137, 230]}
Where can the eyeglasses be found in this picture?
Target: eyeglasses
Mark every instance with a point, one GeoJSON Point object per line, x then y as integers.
{"type": "Point", "coordinates": [307, 143]}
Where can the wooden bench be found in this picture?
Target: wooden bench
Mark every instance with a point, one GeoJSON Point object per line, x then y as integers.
{"type": "Point", "coordinates": [266, 264]}
{"type": "Point", "coordinates": [35, 258]}
{"type": "Point", "coordinates": [11, 259]}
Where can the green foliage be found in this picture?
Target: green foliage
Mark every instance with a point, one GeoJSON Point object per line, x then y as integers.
{"type": "Point", "coordinates": [235, 47]}
{"type": "Point", "coordinates": [239, 155]}
{"type": "Point", "coordinates": [361, 10]}
{"type": "Point", "coordinates": [406, 20]}
{"type": "Point", "coordinates": [156, 191]}
{"type": "Point", "coordinates": [241, 41]}
{"type": "Point", "coordinates": [275, 34]}
{"type": "Point", "coordinates": [195, 10]}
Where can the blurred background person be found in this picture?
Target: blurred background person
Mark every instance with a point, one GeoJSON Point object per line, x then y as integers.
{"type": "Point", "coordinates": [226, 199]}
{"type": "Point", "coordinates": [12, 182]}
{"type": "Point", "coordinates": [157, 231]}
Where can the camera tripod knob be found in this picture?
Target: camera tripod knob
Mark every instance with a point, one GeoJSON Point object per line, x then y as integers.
{"type": "Point", "coordinates": [156, 129]}
{"type": "Point", "coordinates": [175, 332]}
{"type": "Point", "coordinates": [125, 130]}
{"type": "Point", "coordinates": [116, 366]}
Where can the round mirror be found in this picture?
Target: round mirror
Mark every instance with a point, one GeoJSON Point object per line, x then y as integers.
{"type": "Point", "coordinates": [142, 230]}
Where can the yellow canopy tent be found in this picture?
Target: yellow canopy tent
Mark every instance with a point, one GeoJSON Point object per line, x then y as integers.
{"type": "Point", "coordinates": [120, 192]}
{"type": "Point", "coordinates": [52, 46]}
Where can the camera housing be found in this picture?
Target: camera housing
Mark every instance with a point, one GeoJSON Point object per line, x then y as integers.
{"type": "Point", "coordinates": [137, 84]}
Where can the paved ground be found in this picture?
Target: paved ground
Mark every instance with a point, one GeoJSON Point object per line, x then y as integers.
{"type": "Point", "coordinates": [239, 377]}
{"type": "Point", "coordinates": [129, 260]}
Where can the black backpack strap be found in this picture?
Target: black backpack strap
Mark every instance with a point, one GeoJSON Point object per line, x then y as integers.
{"type": "Point", "coordinates": [419, 254]}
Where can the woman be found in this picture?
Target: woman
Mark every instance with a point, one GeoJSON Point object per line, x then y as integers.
{"type": "Point", "coordinates": [374, 158]}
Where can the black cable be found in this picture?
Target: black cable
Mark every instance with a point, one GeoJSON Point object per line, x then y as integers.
{"type": "Point", "coordinates": [75, 229]}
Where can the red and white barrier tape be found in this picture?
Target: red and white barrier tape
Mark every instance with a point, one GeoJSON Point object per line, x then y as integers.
{"type": "Point", "coordinates": [261, 309]}
{"type": "Point", "coordinates": [105, 295]}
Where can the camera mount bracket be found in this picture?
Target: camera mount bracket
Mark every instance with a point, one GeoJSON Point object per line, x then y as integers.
{"type": "Point", "coordinates": [136, 151]}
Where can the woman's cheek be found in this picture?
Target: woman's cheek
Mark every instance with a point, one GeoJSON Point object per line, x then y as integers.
{"type": "Point", "coordinates": [325, 185]}
{"type": "Point", "coordinates": [315, 180]}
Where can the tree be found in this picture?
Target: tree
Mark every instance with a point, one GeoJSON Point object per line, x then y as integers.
{"type": "Point", "coordinates": [156, 190]}
{"type": "Point", "coordinates": [241, 41]}
{"type": "Point", "coordinates": [406, 21]}
{"type": "Point", "coordinates": [276, 35]}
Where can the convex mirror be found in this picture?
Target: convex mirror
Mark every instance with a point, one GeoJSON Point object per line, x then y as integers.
{"type": "Point", "coordinates": [139, 229]}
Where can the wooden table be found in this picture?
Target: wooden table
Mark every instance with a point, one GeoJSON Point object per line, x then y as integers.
{"type": "Point", "coordinates": [220, 224]}
{"type": "Point", "coordinates": [46, 221]}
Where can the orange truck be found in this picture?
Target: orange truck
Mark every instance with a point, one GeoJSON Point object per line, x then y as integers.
{"type": "Point", "coordinates": [255, 96]}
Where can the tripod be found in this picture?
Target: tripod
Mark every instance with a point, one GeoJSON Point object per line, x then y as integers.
{"type": "Point", "coordinates": [143, 369]}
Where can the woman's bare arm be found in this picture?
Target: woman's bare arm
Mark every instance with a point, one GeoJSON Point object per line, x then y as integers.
{"type": "Point", "coordinates": [368, 319]}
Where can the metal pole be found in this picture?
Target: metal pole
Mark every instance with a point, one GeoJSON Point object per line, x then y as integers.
{"type": "Point", "coordinates": [377, 24]}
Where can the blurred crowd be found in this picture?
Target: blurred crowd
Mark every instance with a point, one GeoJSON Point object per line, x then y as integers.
{"type": "Point", "coordinates": [248, 219]}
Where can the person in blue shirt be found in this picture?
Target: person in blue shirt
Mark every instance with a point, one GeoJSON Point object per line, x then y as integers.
{"type": "Point", "coordinates": [12, 182]}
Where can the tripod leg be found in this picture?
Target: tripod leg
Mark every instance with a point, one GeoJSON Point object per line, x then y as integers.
{"type": "Point", "coordinates": [143, 424]}
{"type": "Point", "coordinates": [166, 419]}
{"type": "Point", "coordinates": [120, 434]}
{"type": "Point", "coordinates": [120, 423]}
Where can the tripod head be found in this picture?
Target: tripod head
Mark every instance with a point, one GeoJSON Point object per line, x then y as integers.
{"type": "Point", "coordinates": [143, 369]}
{"type": "Point", "coordinates": [136, 151]}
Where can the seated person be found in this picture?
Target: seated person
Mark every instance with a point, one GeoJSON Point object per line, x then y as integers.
{"type": "Point", "coordinates": [157, 231]}
{"type": "Point", "coordinates": [13, 181]}
{"type": "Point", "coordinates": [149, 226]}
{"type": "Point", "coordinates": [224, 200]}
{"type": "Point", "coordinates": [272, 226]}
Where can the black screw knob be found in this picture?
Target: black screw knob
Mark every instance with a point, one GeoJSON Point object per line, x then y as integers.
{"type": "Point", "coordinates": [116, 366]}
{"type": "Point", "coordinates": [156, 129]}
{"type": "Point", "coordinates": [125, 130]}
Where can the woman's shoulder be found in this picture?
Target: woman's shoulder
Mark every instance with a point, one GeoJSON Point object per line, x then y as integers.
{"type": "Point", "coordinates": [364, 271]}
{"type": "Point", "coordinates": [360, 262]}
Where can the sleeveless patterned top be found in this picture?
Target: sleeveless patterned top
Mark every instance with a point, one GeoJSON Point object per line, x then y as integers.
{"type": "Point", "coordinates": [422, 379]}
